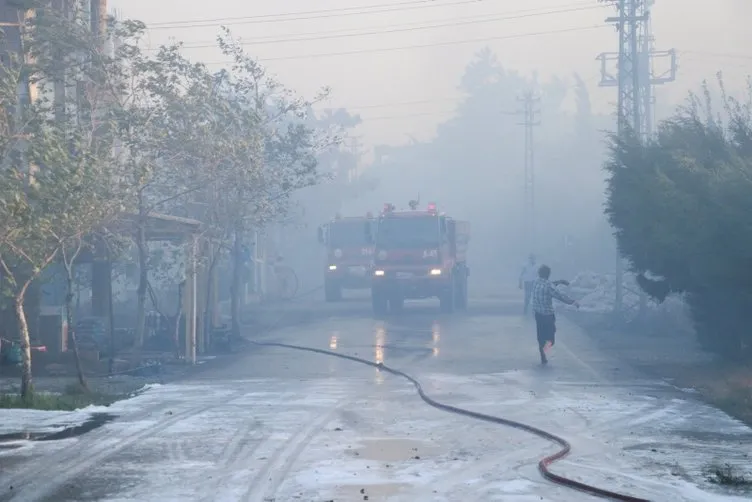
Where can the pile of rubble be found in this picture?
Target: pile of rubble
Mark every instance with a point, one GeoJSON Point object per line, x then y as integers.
{"type": "Point", "coordinates": [596, 293]}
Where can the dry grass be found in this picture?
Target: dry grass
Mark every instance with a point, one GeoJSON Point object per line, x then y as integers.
{"type": "Point", "coordinates": [725, 385]}
{"type": "Point", "coordinates": [73, 398]}
{"type": "Point", "coordinates": [727, 475]}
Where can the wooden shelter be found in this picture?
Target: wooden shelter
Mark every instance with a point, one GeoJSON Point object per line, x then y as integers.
{"type": "Point", "coordinates": [161, 227]}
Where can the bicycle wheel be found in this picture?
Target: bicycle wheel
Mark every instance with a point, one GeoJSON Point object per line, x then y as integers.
{"type": "Point", "coordinates": [287, 281]}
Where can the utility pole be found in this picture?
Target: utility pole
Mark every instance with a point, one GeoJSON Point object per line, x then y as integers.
{"type": "Point", "coordinates": [530, 112]}
{"type": "Point", "coordinates": [61, 8]}
{"type": "Point", "coordinates": [98, 21]}
{"type": "Point", "coordinates": [635, 80]}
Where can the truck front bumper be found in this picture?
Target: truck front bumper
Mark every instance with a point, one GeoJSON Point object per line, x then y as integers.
{"type": "Point", "coordinates": [411, 283]}
{"type": "Point", "coordinates": [349, 276]}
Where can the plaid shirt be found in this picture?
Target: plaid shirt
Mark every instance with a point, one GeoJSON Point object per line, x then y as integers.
{"type": "Point", "coordinates": [543, 295]}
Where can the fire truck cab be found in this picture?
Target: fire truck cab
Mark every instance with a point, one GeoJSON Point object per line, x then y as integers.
{"type": "Point", "coordinates": [418, 253]}
{"type": "Point", "coordinates": [348, 255]}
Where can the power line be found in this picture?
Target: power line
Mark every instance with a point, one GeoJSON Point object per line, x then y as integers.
{"type": "Point", "coordinates": [632, 14]}
{"type": "Point", "coordinates": [424, 46]}
{"type": "Point", "coordinates": [407, 103]}
{"type": "Point", "coordinates": [703, 60]}
{"type": "Point", "coordinates": [401, 103]}
{"type": "Point", "coordinates": [362, 9]}
{"type": "Point", "coordinates": [530, 101]}
{"type": "Point", "coordinates": [514, 15]}
{"type": "Point", "coordinates": [717, 54]}
{"type": "Point", "coordinates": [314, 14]}
{"type": "Point", "coordinates": [446, 113]}
{"type": "Point", "coordinates": [635, 80]}
{"type": "Point", "coordinates": [457, 99]}
{"type": "Point", "coordinates": [454, 111]}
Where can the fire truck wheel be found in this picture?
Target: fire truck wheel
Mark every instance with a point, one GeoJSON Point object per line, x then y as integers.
{"type": "Point", "coordinates": [396, 303]}
{"type": "Point", "coordinates": [461, 292]}
{"type": "Point", "coordinates": [380, 303]}
{"type": "Point", "coordinates": [332, 292]}
{"type": "Point", "coordinates": [447, 298]}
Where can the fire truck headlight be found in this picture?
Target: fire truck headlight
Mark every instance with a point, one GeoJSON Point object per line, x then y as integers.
{"type": "Point", "coordinates": [338, 253]}
{"type": "Point", "coordinates": [332, 267]}
{"type": "Point", "coordinates": [378, 273]}
{"type": "Point", "coordinates": [435, 271]}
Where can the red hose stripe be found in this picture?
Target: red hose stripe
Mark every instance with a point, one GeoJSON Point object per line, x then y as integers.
{"type": "Point", "coordinates": [543, 464]}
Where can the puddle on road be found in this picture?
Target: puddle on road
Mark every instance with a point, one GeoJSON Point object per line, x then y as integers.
{"type": "Point", "coordinates": [394, 450]}
{"type": "Point", "coordinates": [95, 421]}
{"type": "Point", "coordinates": [374, 492]}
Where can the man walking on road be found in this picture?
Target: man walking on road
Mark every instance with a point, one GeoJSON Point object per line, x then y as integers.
{"type": "Point", "coordinates": [543, 306]}
{"type": "Point", "coordinates": [527, 278]}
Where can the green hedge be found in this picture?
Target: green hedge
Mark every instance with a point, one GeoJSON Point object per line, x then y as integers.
{"type": "Point", "coordinates": [681, 205]}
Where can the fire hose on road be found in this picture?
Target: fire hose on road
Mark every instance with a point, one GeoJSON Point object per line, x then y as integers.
{"type": "Point", "coordinates": [543, 464]}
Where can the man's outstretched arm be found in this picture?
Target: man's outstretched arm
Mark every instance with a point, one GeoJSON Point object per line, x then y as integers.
{"type": "Point", "coordinates": [561, 296]}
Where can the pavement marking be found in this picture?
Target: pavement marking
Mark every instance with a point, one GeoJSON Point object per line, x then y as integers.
{"type": "Point", "coordinates": [37, 483]}
{"type": "Point", "coordinates": [583, 364]}
{"type": "Point", "coordinates": [271, 476]}
{"type": "Point", "coordinates": [234, 455]}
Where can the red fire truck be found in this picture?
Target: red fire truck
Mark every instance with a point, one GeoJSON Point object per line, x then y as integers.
{"type": "Point", "coordinates": [348, 256]}
{"type": "Point", "coordinates": [418, 253]}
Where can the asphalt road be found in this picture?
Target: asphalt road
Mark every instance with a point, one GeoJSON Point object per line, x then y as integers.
{"type": "Point", "coordinates": [278, 425]}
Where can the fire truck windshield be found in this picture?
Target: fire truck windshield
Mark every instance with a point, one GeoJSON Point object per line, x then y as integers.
{"type": "Point", "coordinates": [347, 234]}
{"type": "Point", "coordinates": [408, 232]}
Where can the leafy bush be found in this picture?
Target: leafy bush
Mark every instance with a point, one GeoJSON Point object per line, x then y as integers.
{"type": "Point", "coordinates": [681, 206]}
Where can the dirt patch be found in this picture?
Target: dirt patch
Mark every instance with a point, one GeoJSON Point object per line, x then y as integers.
{"type": "Point", "coordinates": [393, 450]}
{"type": "Point", "coordinates": [724, 385]}
{"type": "Point", "coordinates": [729, 476]}
{"type": "Point", "coordinates": [667, 350]}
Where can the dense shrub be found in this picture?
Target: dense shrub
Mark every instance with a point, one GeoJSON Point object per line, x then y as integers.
{"type": "Point", "coordinates": [681, 205]}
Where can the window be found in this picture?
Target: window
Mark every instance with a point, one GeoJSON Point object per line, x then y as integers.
{"type": "Point", "coordinates": [347, 234]}
{"type": "Point", "coordinates": [409, 232]}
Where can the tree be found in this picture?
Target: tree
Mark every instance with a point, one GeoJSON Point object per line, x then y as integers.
{"type": "Point", "coordinates": [680, 206]}
{"type": "Point", "coordinates": [159, 127]}
{"type": "Point", "coordinates": [272, 154]}
{"type": "Point", "coordinates": [59, 177]}
{"type": "Point", "coordinates": [227, 148]}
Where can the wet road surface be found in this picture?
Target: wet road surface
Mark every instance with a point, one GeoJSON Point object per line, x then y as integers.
{"type": "Point", "coordinates": [278, 425]}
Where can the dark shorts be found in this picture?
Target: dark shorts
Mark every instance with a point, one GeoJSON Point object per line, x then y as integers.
{"type": "Point", "coordinates": [546, 328]}
{"type": "Point", "coordinates": [528, 288]}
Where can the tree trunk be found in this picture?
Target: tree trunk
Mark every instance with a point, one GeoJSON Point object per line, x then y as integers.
{"type": "Point", "coordinates": [208, 314]}
{"type": "Point", "coordinates": [176, 326]}
{"type": "Point", "coordinates": [27, 387]}
{"type": "Point", "coordinates": [71, 326]}
{"type": "Point", "coordinates": [143, 278]}
{"type": "Point", "coordinates": [110, 316]}
{"type": "Point", "coordinates": [237, 264]}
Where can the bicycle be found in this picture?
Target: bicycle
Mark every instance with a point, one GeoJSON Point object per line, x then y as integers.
{"type": "Point", "coordinates": [287, 281]}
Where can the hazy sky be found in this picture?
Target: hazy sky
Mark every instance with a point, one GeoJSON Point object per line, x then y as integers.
{"type": "Point", "coordinates": [405, 51]}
